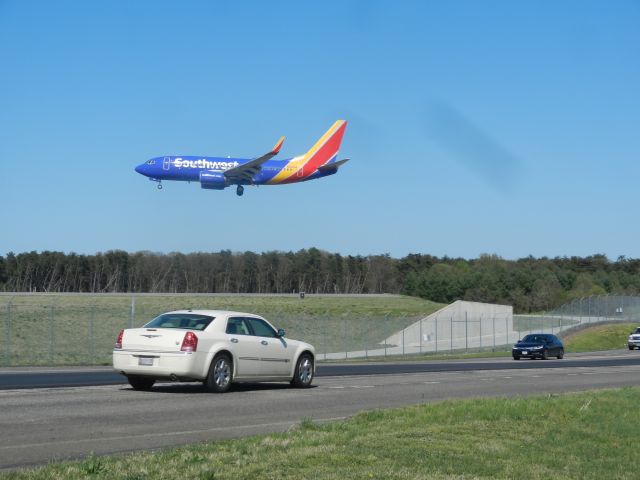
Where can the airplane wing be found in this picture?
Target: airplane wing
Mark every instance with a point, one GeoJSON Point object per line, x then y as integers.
{"type": "Point", "coordinates": [248, 170]}
{"type": "Point", "coordinates": [332, 166]}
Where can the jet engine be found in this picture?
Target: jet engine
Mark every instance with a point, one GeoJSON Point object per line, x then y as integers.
{"type": "Point", "coordinates": [213, 180]}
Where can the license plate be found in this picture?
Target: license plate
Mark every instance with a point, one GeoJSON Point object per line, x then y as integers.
{"type": "Point", "coordinates": [145, 360]}
{"type": "Point", "coordinates": [524, 352]}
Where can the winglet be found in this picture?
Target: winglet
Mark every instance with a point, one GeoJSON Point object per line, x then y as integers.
{"type": "Point", "coordinates": [276, 149]}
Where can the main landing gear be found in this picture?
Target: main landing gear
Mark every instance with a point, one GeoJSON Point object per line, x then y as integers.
{"type": "Point", "coordinates": [240, 190]}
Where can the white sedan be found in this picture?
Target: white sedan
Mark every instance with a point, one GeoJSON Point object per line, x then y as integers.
{"type": "Point", "coordinates": [212, 346]}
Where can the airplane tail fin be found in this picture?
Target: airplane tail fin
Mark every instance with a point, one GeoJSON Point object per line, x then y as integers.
{"type": "Point", "coordinates": [326, 149]}
{"type": "Point", "coordinates": [324, 152]}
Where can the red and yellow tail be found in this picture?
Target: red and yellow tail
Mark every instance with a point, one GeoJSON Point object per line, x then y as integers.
{"type": "Point", "coordinates": [325, 150]}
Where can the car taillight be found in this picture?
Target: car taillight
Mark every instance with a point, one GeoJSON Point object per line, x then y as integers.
{"type": "Point", "coordinates": [119, 340]}
{"type": "Point", "coordinates": [190, 342]}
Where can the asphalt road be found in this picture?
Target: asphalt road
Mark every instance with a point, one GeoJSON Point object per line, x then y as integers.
{"type": "Point", "coordinates": [39, 425]}
{"type": "Point", "coordinates": [30, 377]}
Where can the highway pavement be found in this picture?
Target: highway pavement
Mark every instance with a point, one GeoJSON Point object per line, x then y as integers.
{"type": "Point", "coordinates": [39, 425]}
{"type": "Point", "coordinates": [52, 377]}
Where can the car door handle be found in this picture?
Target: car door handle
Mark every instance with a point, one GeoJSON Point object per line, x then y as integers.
{"type": "Point", "coordinates": [234, 340]}
{"type": "Point", "coordinates": [264, 342]}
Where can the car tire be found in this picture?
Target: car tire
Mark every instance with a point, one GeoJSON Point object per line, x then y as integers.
{"type": "Point", "coordinates": [220, 374]}
{"type": "Point", "coordinates": [630, 347]}
{"type": "Point", "coordinates": [543, 355]}
{"type": "Point", "coordinates": [303, 373]}
{"type": "Point", "coordinates": [516, 357]}
{"type": "Point", "coordinates": [141, 383]}
{"type": "Point", "coordinates": [560, 355]}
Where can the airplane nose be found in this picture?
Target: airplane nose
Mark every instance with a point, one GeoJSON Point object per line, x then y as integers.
{"type": "Point", "coordinates": [140, 169]}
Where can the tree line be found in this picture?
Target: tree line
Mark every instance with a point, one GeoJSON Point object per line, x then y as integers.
{"type": "Point", "coordinates": [529, 284]}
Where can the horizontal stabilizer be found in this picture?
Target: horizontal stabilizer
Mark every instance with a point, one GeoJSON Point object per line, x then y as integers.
{"type": "Point", "coordinates": [333, 166]}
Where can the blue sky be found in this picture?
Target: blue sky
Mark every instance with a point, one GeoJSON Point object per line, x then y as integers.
{"type": "Point", "coordinates": [474, 127]}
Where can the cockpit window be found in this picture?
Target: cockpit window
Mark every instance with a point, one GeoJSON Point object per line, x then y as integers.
{"type": "Point", "coordinates": [151, 162]}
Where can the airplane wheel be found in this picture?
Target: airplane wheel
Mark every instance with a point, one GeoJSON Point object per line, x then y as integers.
{"type": "Point", "coordinates": [240, 190]}
{"type": "Point", "coordinates": [159, 186]}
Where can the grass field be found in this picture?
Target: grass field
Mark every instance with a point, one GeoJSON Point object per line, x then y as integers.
{"type": "Point", "coordinates": [80, 329]}
{"type": "Point", "coordinates": [599, 337]}
{"type": "Point", "coordinates": [589, 435]}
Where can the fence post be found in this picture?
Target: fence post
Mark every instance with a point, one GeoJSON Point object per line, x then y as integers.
{"type": "Point", "coordinates": [8, 330]}
{"type": "Point", "coordinates": [403, 341]}
{"type": "Point", "coordinates": [451, 335]}
{"type": "Point", "coordinates": [364, 341]}
{"type": "Point", "coordinates": [494, 333]}
{"type": "Point", "coordinates": [51, 335]}
{"type": "Point", "coordinates": [386, 320]}
{"type": "Point", "coordinates": [466, 333]}
{"type": "Point", "coordinates": [132, 311]}
{"type": "Point", "coordinates": [346, 340]}
{"type": "Point", "coordinates": [421, 334]}
{"type": "Point", "coordinates": [324, 334]}
{"type": "Point", "coordinates": [480, 331]}
{"type": "Point", "coordinates": [506, 327]}
{"type": "Point", "coordinates": [92, 339]}
{"type": "Point", "coordinates": [436, 334]}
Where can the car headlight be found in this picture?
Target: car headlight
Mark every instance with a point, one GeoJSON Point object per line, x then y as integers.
{"type": "Point", "coordinates": [537, 348]}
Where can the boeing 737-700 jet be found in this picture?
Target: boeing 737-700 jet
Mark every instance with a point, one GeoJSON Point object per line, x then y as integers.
{"type": "Point", "coordinates": [216, 173]}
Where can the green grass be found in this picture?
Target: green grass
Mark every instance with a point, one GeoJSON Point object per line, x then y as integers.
{"type": "Point", "coordinates": [610, 336]}
{"type": "Point", "coordinates": [80, 329]}
{"type": "Point", "coordinates": [589, 435]}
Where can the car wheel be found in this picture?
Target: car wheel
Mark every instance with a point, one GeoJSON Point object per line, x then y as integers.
{"type": "Point", "coordinates": [516, 357]}
{"type": "Point", "coordinates": [560, 355]}
{"type": "Point", "coordinates": [630, 347]}
{"type": "Point", "coordinates": [303, 374]}
{"type": "Point", "coordinates": [543, 355]}
{"type": "Point", "coordinates": [140, 383]}
{"type": "Point", "coordinates": [220, 374]}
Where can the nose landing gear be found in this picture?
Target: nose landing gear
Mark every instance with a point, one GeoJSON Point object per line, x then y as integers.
{"type": "Point", "coordinates": [240, 190]}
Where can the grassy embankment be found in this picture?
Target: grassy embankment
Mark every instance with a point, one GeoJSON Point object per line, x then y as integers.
{"type": "Point", "coordinates": [610, 336]}
{"type": "Point", "coordinates": [80, 329]}
{"type": "Point", "coordinates": [589, 435]}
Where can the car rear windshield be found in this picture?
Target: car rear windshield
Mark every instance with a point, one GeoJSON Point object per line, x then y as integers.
{"type": "Point", "coordinates": [188, 321]}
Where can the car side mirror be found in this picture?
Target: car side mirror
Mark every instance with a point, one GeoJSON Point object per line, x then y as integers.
{"type": "Point", "coordinates": [281, 333]}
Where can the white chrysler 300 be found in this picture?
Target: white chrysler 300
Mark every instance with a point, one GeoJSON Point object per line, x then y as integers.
{"type": "Point", "coordinates": [212, 346]}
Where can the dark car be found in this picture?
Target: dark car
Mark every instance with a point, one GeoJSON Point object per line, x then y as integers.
{"type": "Point", "coordinates": [538, 345]}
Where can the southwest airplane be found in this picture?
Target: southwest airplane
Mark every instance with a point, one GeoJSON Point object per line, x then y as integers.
{"type": "Point", "coordinates": [217, 173]}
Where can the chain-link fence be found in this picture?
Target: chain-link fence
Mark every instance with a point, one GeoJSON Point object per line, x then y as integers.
{"type": "Point", "coordinates": [83, 333]}
{"type": "Point", "coordinates": [580, 313]}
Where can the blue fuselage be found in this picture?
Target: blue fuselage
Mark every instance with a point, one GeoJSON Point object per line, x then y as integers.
{"type": "Point", "coordinates": [190, 168]}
